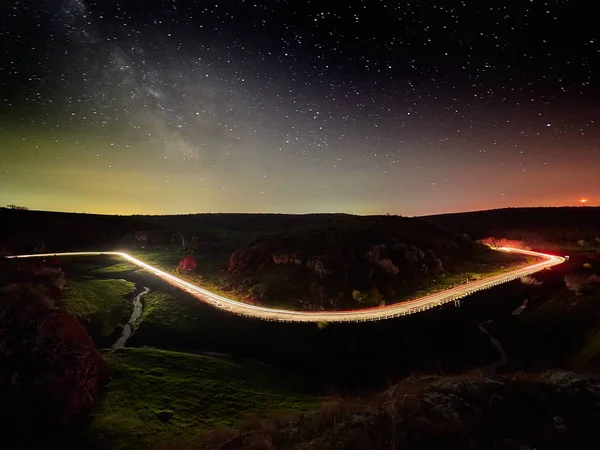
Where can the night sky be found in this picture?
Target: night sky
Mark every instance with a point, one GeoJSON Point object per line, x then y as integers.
{"type": "Point", "coordinates": [366, 107]}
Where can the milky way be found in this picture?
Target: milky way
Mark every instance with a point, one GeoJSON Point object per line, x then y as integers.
{"type": "Point", "coordinates": [360, 106]}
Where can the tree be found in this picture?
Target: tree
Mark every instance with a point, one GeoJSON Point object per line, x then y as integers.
{"type": "Point", "coordinates": [373, 297]}
{"type": "Point", "coordinates": [187, 264]}
{"type": "Point", "coordinates": [530, 281]}
{"type": "Point", "coordinates": [322, 325]}
{"type": "Point", "coordinates": [141, 238]}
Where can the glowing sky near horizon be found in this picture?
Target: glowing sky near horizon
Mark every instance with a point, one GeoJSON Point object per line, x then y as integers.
{"type": "Point", "coordinates": [363, 107]}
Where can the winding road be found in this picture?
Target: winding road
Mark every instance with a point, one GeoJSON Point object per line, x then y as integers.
{"type": "Point", "coordinates": [363, 315]}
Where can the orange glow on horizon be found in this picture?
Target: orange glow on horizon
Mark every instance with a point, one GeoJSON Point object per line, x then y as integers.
{"type": "Point", "coordinates": [583, 201]}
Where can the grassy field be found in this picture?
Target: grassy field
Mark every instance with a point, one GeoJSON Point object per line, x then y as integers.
{"type": "Point", "coordinates": [157, 397]}
{"type": "Point", "coordinates": [208, 275]}
{"type": "Point", "coordinates": [467, 273]}
{"type": "Point", "coordinates": [170, 312]}
{"type": "Point", "coordinates": [115, 268]}
{"type": "Point", "coordinates": [100, 304]}
{"type": "Point", "coordinates": [208, 272]}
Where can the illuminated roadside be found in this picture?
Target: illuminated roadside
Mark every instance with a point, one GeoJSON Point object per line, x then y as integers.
{"type": "Point", "coordinates": [362, 315]}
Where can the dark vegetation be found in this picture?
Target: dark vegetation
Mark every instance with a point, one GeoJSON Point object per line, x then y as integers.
{"type": "Point", "coordinates": [354, 262]}
{"type": "Point", "coordinates": [561, 325]}
{"type": "Point", "coordinates": [554, 410]}
{"type": "Point", "coordinates": [315, 261]}
{"type": "Point", "coordinates": [51, 372]}
{"type": "Point", "coordinates": [418, 382]}
{"type": "Point", "coordinates": [542, 228]}
{"type": "Point", "coordinates": [25, 231]}
{"type": "Point", "coordinates": [50, 369]}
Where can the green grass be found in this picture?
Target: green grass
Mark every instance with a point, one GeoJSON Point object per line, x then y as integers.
{"type": "Point", "coordinates": [164, 258]}
{"type": "Point", "coordinates": [170, 312]}
{"type": "Point", "coordinates": [471, 272]}
{"type": "Point", "coordinates": [100, 302]}
{"type": "Point", "coordinates": [209, 276]}
{"type": "Point", "coordinates": [116, 268]}
{"type": "Point", "coordinates": [208, 264]}
{"type": "Point", "coordinates": [196, 393]}
{"type": "Point", "coordinates": [208, 273]}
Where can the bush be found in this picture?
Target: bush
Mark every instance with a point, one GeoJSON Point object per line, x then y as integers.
{"type": "Point", "coordinates": [322, 325]}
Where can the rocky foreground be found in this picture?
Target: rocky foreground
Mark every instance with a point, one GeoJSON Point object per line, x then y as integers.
{"type": "Point", "coordinates": [555, 410]}
{"type": "Point", "coordinates": [50, 369]}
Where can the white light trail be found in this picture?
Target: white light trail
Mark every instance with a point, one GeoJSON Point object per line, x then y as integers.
{"type": "Point", "coordinates": [362, 315]}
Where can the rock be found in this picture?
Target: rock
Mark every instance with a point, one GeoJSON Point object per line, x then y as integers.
{"type": "Point", "coordinates": [55, 366]}
{"type": "Point", "coordinates": [564, 379]}
{"type": "Point", "coordinates": [448, 406]}
{"type": "Point", "coordinates": [248, 258]}
{"type": "Point", "coordinates": [460, 387]}
{"type": "Point", "coordinates": [284, 258]}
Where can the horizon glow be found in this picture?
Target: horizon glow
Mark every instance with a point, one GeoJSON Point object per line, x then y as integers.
{"type": "Point", "coordinates": [288, 107]}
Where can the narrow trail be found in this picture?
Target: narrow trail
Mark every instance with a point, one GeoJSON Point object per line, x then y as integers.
{"type": "Point", "coordinates": [135, 315]}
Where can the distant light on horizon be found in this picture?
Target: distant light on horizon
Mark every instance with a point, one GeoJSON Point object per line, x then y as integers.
{"type": "Point", "coordinates": [584, 201]}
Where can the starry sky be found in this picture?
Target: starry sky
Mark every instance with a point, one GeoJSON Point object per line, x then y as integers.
{"type": "Point", "coordinates": [366, 107]}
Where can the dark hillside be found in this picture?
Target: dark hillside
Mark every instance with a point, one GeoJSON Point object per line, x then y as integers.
{"type": "Point", "coordinates": [537, 226]}
{"type": "Point", "coordinates": [552, 410]}
{"type": "Point", "coordinates": [25, 231]}
{"type": "Point", "coordinates": [355, 262]}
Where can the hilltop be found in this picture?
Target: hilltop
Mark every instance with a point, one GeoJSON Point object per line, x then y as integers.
{"type": "Point", "coordinates": [357, 262]}
{"type": "Point", "coordinates": [26, 231]}
{"type": "Point", "coordinates": [541, 227]}
{"type": "Point", "coordinates": [303, 262]}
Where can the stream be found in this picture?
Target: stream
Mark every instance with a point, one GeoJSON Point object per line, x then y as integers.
{"type": "Point", "coordinates": [135, 315]}
{"type": "Point", "coordinates": [520, 309]}
{"type": "Point", "coordinates": [496, 343]}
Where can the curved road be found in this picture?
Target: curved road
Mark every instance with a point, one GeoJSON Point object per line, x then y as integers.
{"type": "Point", "coordinates": [363, 315]}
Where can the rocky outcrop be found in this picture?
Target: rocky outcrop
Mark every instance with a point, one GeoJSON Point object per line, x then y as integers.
{"type": "Point", "coordinates": [248, 258]}
{"type": "Point", "coordinates": [50, 368]}
{"type": "Point", "coordinates": [558, 410]}
{"type": "Point", "coordinates": [393, 256]}
{"type": "Point", "coordinates": [286, 258]}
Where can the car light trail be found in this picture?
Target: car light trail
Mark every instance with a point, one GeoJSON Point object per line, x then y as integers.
{"type": "Point", "coordinates": [362, 315]}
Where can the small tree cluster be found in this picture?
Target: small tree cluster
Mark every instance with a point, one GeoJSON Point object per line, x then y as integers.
{"type": "Point", "coordinates": [371, 298]}
{"type": "Point", "coordinates": [530, 281]}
